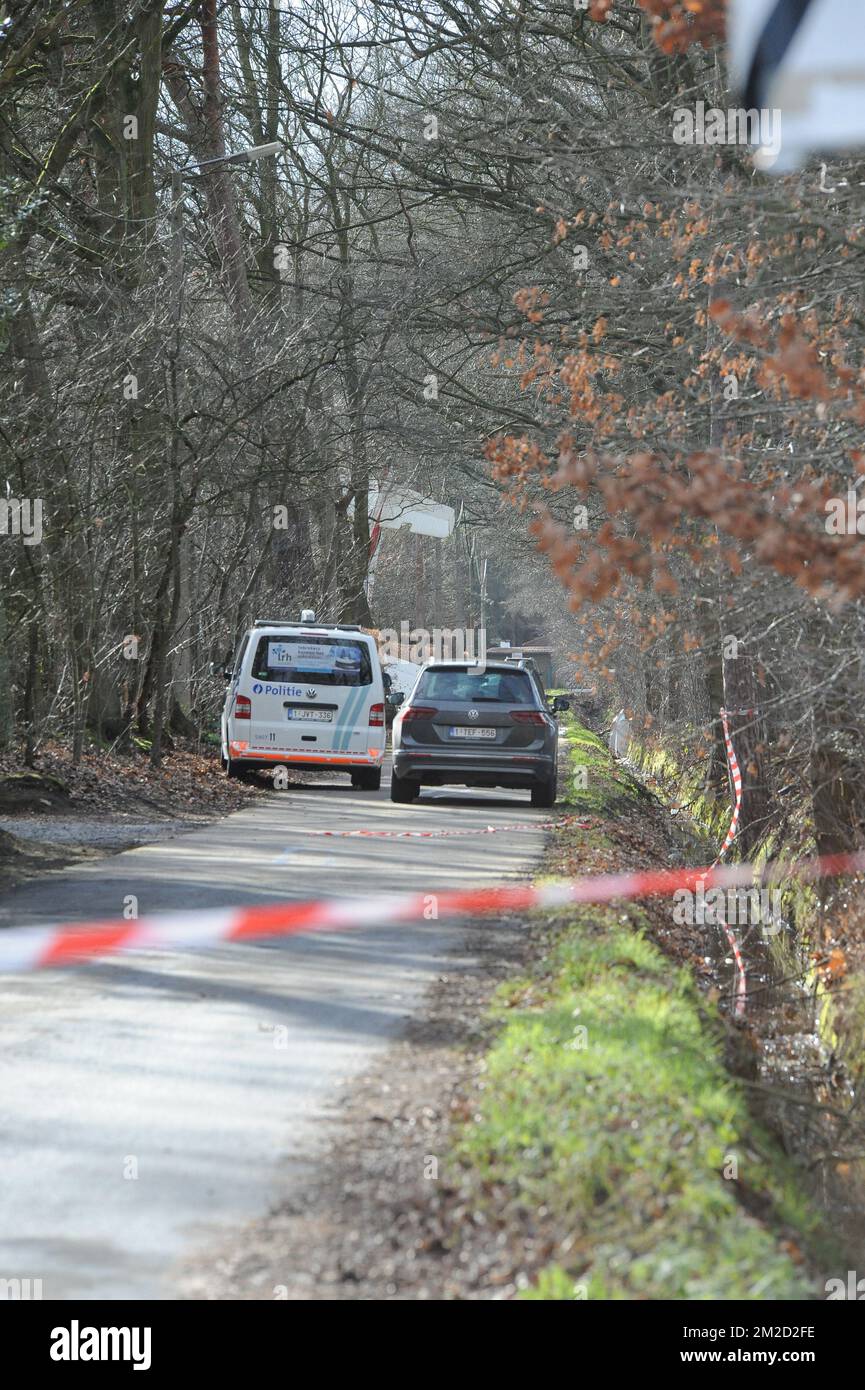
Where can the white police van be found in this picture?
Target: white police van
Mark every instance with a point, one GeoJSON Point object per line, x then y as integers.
{"type": "Point", "coordinates": [305, 695]}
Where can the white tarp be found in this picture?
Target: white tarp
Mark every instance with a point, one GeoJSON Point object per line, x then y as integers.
{"type": "Point", "coordinates": [620, 735]}
{"type": "Point", "coordinates": [403, 674]}
{"type": "Point", "coordinates": [396, 506]}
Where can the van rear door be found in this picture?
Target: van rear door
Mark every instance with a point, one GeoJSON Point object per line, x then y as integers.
{"type": "Point", "coordinates": [310, 694]}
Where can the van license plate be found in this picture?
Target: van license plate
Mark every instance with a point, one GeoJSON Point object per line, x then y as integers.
{"type": "Point", "coordinates": [316, 716]}
{"type": "Point", "coordinates": [460, 731]}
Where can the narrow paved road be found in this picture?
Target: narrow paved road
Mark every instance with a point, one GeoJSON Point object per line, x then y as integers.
{"type": "Point", "coordinates": [150, 1104]}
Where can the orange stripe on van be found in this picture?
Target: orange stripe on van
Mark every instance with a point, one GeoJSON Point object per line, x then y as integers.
{"type": "Point", "coordinates": [287, 756]}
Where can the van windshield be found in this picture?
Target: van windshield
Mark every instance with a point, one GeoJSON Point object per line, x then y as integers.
{"type": "Point", "coordinates": [322, 660]}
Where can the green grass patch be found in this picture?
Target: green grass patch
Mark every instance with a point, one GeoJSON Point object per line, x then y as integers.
{"type": "Point", "coordinates": [709, 811]}
{"type": "Point", "coordinates": [607, 1116]}
{"type": "Point", "coordinates": [592, 781]}
{"type": "Point", "coordinates": [606, 1105]}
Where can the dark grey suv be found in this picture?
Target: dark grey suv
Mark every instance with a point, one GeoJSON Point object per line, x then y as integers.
{"type": "Point", "coordinates": [476, 724]}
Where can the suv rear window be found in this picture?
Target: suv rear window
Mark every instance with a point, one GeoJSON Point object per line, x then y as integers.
{"type": "Point", "coordinates": [510, 687]}
{"type": "Point", "coordinates": [324, 660]}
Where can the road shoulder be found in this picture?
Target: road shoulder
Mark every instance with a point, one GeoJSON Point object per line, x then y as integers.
{"type": "Point", "coordinates": [557, 1123]}
{"type": "Point", "coordinates": [371, 1216]}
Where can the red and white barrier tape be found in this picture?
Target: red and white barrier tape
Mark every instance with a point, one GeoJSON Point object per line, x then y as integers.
{"type": "Point", "coordinates": [741, 977]}
{"type": "Point", "coordinates": [34, 948]}
{"type": "Point", "coordinates": [442, 834]}
{"type": "Point", "coordinates": [736, 775]}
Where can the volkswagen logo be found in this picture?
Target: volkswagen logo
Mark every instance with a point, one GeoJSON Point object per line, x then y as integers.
{"type": "Point", "coordinates": [473, 714]}
{"type": "Point", "coordinates": [311, 694]}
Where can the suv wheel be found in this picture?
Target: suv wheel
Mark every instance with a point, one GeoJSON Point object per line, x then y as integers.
{"type": "Point", "coordinates": [544, 793]}
{"type": "Point", "coordinates": [403, 788]}
{"type": "Point", "coordinates": [367, 780]}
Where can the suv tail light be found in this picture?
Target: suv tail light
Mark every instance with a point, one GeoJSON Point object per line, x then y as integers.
{"type": "Point", "coordinates": [242, 707]}
{"type": "Point", "coordinates": [528, 716]}
{"type": "Point", "coordinates": [376, 715]}
{"type": "Point", "coordinates": [416, 712]}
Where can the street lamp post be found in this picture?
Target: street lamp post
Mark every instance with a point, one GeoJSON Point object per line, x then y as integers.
{"type": "Point", "coordinates": [247, 156]}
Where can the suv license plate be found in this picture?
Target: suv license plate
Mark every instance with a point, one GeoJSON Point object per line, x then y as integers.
{"type": "Point", "coordinates": [460, 731]}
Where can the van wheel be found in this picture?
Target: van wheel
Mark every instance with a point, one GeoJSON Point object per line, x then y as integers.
{"type": "Point", "coordinates": [367, 781]}
{"type": "Point", "coordinates": [544, 793]}
{"type": "Point", "coordinates": [403, 788]}
{"type": "Point", "coordinates": [235, 769]}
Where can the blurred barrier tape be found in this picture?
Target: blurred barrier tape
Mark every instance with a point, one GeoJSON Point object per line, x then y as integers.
{"type": "Point", "coordinates": [741, 976]}
{"type": "Point", "coordinates": [732, 939]}
{"type": "Point", "coordinates": [736, 775]}
{"type": "Point", "coordinates": [33, 948]}
{"type": "Point", "coordinates": [442, 834]}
